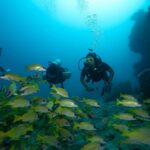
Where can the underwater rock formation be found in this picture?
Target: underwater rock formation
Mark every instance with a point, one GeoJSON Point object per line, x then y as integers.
{"type": "Point", "coordinates": [121, 87]}
{"type": "Point", "coordinates": [144, 80]}
{"type": "Point", "coordinates": [139, 42]}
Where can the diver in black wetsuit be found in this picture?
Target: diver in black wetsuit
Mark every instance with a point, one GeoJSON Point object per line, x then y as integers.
{"type": "Point", "coordinates": [95, 70]}
{"type": "Point", "coordinates": [56, 74]}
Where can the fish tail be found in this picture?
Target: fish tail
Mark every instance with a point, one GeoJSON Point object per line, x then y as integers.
{"type": "Point", "coordinates": [15, 94]}
{"type": "Point", "coordinates": [114, 117]}
{"type": "Point", "coordinates": [57, 101]}
{"type": "Point", "coordinates": [118, 102]}
{"type": "Point", "coordinates": [53, 87]}
{"type": "Point", "coordinates": [75, 126]}
{"type": "Point", "coordinates": [83, 99]}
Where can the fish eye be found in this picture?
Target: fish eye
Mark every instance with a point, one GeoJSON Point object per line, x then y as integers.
{"type": "Point", "coordinates": [70, 138]}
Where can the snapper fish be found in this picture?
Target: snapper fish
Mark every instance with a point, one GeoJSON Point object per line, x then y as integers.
{"type": "Point", "coordinates": [62, 122]}
{"type": "Point", "coordinates": [60, 91]}
{"type": "Point", "coordinates": [2, 136]}
{"type": "Point", "coordinates": [124, 116]}
{"type": "Point", "coordinates": [96, 138]}
{"type": "Point", "coordinates": [41, 109]}
{"type": "Point", "coordinates": [84, 126]}
{"type": "Point", "coordinates": [52, 115]}
{"type": "Point", "coordinates": [120, 127]}
{"type": "Point", "coordinates": [29, 89]}
{"type": "Point", "coordinates": [18, 131]}
{"type": "Point", "coordinates": [9, 91]}
{"type": "Point", "coordinates": [140, 112]}
{"type": "Point", "coordinates": [30, 117]}
{"type": "Point", "coordinates": [66, 112]}
{"type": "Point", "coordinates": [37, 100]}
{"type": "Point", "coordinates": [50, 140]}
{"type": "Point", "coordinates": [80, 113]}
{"type": "Point", "coordinates": [50, 105]}
{"type": "Point", "coordinates": [91, 102]}
{"type": "Point", "coordinates": [92, 146]}
{"type": "Point", "coordinates": [147, 101]}
{"type": "Point", "coordinates": [35, 67]}
{"type": "Point", "coordinates": [128, 103]}
{"type": "Point", "coordinates": [19, 102]}
{"type": "Point", "coordinates": [66, 135]}
{"type": "Point", "coordinates": [128, 97]}
{"type": "Point", "coordinates": [13, 88]}
{"type": "Point", "coordinates": [137, 136]}
{"type": "Point", "coordinates": [66, 103]}
{"type": "Point", "coordinates": [12, 77]}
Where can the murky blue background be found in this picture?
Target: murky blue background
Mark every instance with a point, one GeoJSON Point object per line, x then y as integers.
{"type": "Point", "coordinates": [32, 31]}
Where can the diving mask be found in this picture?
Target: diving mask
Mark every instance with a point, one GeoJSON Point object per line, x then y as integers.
{"type": "Point", "coordinates": [90, 60]}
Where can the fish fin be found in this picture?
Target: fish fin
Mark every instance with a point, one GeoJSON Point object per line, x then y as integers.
{"type": "Point", "coordinates": [57, 101]}
{"type": "Point", "coordinates": [53, 87]}
{"type": "Point", "coordinates": [114, 117]}
{"type": "Point", "coordinates": [15, 94]}
{"type": "Point", "coordinates": [75, 126]}
{"type": "Point", "coordinates": [118, 102]}
{"type": "Point", "coordinates": [83, 99]}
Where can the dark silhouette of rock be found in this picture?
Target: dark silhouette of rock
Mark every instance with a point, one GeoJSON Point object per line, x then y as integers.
{"type": "Point", "coordinates": [139, 42]}
{"type": "Point", "coordinates": [144, 80]}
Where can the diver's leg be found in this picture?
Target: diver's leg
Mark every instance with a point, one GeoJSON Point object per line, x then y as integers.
{"type": "Point", "coordinates": [107, 86]}
{"type": "Point", "coordinates": [62, 85]}
{"type": "Point", "coordinates": [50, 84]}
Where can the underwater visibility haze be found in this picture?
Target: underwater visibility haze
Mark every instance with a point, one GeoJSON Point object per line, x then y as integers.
{"type": "Point", "coordinates": [78, 109]}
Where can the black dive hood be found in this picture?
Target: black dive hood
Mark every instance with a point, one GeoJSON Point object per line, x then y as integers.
{"type": "Point", "coordinates": [90, 54]}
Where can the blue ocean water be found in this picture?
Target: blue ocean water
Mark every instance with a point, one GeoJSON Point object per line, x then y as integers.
{"type": "Point", "coordinates": [33, 31]}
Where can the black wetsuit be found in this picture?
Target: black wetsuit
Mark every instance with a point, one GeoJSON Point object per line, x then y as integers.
{"type": "Point", "coordinates": [96, 73]}
{"type": "Point", "coordinates": [54, 74]}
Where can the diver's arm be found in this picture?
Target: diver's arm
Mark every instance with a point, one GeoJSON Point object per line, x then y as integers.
{"type": "Point", "coordinates": [111, 74]}
{"type": "Point", "coordinates": [84, 83]}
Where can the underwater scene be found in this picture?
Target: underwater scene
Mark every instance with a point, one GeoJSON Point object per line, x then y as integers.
{"type": "Point", "coordinates": [74, 74]}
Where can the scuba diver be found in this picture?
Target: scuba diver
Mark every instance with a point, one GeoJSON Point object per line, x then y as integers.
{"type": "Point", "coordinates": [95, 70]}
{"type": "Point", "coordinates": [55, 74]}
